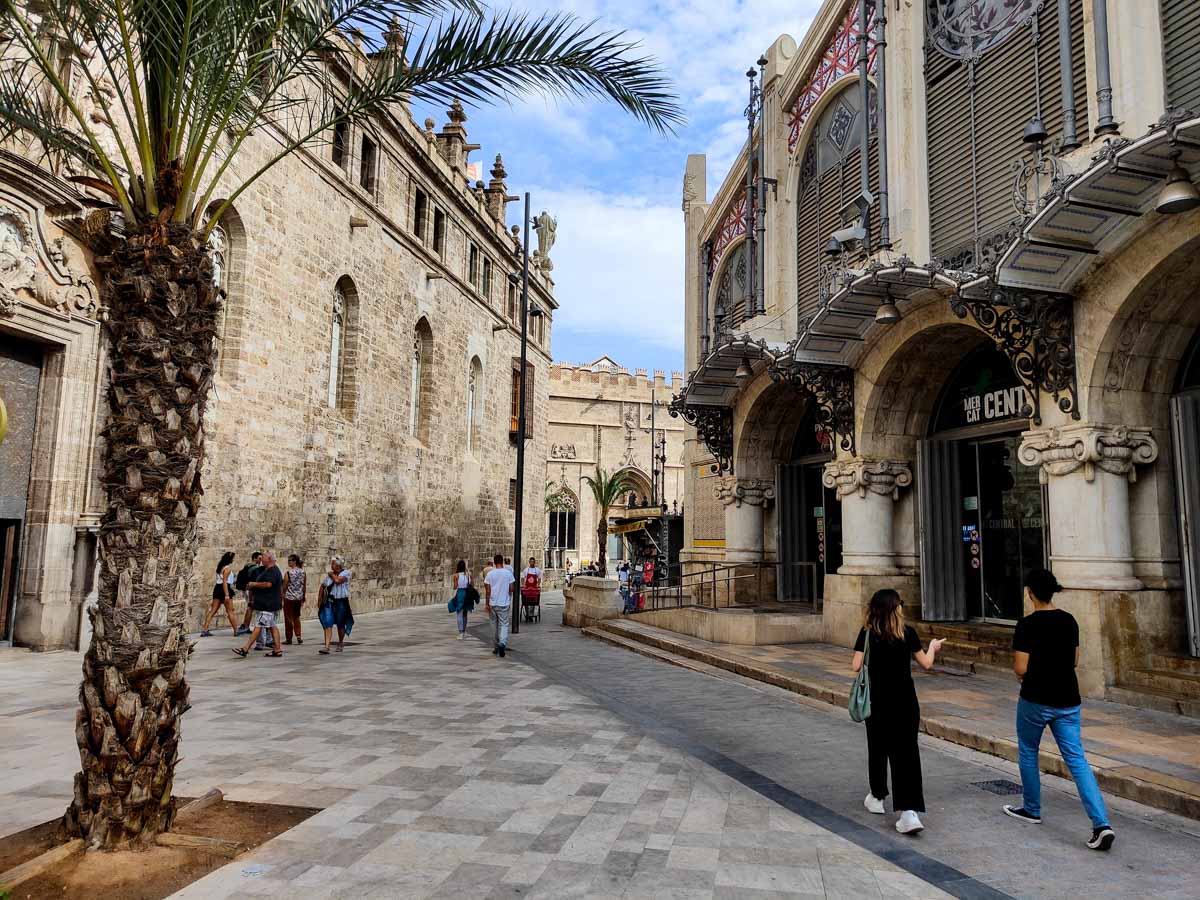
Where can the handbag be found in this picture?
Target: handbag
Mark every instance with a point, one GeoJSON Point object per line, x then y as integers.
{"type": "Point", "coordinates": [472, 595]}
{"type": "Point", "coordinates": [860, 690]}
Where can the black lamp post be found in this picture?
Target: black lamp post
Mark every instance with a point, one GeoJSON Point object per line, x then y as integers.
{"type": "Point", "coordinates": [526, 312]}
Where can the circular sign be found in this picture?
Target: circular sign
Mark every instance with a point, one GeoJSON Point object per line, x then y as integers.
{"type": "Point", "coordinates": [974, 562]}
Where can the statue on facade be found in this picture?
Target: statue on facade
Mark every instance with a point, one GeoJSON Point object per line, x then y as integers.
{"type": "Point", "coordinates": [546, 226]}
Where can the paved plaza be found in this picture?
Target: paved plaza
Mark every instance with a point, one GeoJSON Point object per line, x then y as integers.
{"type": "Point", "coordinates": [569, 769]}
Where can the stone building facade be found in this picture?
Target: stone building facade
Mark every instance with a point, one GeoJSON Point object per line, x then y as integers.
{"type": "Point", "coordinates": [977, 353]}
{"type": "Point", "coordinates": [366, 379]}
{"type": "Point", "coordinates": [600, 415]}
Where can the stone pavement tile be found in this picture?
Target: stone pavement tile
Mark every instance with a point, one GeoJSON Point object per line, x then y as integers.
{"type": "Point", "coordinates": [469, 880]}
{"type": "Point", "coordinates": [562, 880]}
{"type": "Point", "coordinates": [793, 879]}
{"type": "Point", "coordinates": [705, 859]}
{"type": "Point", "coordinates": [849, 882]}
{"type": "Point", "coordinates": [671, 884]}
{"type": "Point", "coordinates": [528, 868]}
{"type": "Point", "coordinates": [555, 834]}
{"type": "Point", "coordinates": [902, 884]}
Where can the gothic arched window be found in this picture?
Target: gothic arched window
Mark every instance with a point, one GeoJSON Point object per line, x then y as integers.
{"type": "Point", "coordinates": [337, 336]}
{"type": "Point", "coordinates": [418, 384]}
{"type": "Point", "coordinates": [474, 404]}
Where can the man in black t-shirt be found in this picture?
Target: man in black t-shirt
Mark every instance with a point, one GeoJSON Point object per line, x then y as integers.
{"type": "Point", "coordinates": [1045, 654]}
{"type": "Point", "coordinates": [242, 582]}
{"type": "Point", "coordinates": [267, 601]}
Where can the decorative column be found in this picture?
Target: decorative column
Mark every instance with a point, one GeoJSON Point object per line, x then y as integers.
{"type": "Point", "coordinates": [867, 490]}
{"type": "Point", "coordinates": [1088, 469]}
{"type": "Point", "coordinates": [744, 500]}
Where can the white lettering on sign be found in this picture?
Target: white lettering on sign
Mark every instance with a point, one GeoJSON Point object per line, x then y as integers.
{"type": "Point", "coordinates": [1003, 404]}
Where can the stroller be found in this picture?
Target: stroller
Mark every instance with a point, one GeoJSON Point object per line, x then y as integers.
{"type": "Point", "coordinates": [531, 600]}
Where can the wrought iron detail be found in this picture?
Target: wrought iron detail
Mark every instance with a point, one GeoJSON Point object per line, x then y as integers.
{"type": "Point", "coordinates": [1036, 331]}
{"type": "Point", "coordinates": [714, 427]}
{"type": "Point", "coordinates": [831, 388]}
{"type": "Point", "coordinates": [982, 253]}
{"type": "Point", "coordinates": [1038, 178]}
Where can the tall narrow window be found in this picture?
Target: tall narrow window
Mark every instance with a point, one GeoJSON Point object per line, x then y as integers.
{"type": "Point", "coordinates": [474, 393]}
{"type": "Point", "coordinates": [367, 163]}
{"type": "Point", "coordinates": [420, 381]}
{"type": "Point", "coordinates": [336, 341]}
{"type": "Point", "coordinates": [473, 265]}
{"type": "Point", "coordinates": [439, 232]}
{"type": "Point", "coordinates": [486, 287]}
{"type": "Point", "coordinates": [341, 143]}
{"type": "Point", "coordinates": [511, 310]}
{"type": "Point", "coordinates": [514, 420]}
{"type": "Point", "coordinates": [512, 493]}
{"type": "Point", "coordinates": [414, 387]}
{"type": "Point", "coordinates": [420, 208]}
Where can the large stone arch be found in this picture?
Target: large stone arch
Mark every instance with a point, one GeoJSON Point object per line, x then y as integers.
{"type": "Point", "coordinates": [765, 423]}
{"type": "Point", "coordinates": [639, 483]}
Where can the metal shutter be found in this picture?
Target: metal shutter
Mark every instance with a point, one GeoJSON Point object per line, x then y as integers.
{"type": "Point", "coordinates": [1185, 448]}
{"type": "Point", "coordinates": [943, 584]}
{"type": "Point", "coordinates": [1004, 100]}
{"type": "Point", "coordinates": [1181, 49]}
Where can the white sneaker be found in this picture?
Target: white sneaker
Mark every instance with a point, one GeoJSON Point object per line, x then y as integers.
{"type": "Point", "coordinates": [908, 823]}
{"type": "Point", "coordinates": [460, 635]}
{"type": "Point", "coordinates": [873, 804]}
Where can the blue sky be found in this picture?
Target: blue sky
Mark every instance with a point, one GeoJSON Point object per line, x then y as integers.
{"type": "Point", "coordinates": [614, 186]}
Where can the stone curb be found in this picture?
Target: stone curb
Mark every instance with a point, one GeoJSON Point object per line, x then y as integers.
{"type": "Point", "coordinates": [1117, 783]}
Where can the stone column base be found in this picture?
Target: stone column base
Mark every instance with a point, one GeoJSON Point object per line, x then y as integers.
{"type": "Point", "coordinates": [590, 600]}
{"type": "Point", "coordinates": [847, 596]}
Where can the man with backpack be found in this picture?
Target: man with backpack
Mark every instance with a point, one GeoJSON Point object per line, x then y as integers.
{"type": "Point", "coordinates": [244, 577]}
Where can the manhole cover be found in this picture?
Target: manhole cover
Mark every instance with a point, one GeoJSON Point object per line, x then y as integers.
{"type": "Point", "coordinates": [1001, 786]}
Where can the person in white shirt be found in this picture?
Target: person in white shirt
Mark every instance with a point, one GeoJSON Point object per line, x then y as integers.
{"type": "Point", "coordinates": [498, 588]}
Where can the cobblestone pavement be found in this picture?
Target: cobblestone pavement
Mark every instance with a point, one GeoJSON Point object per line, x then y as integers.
{"type": "Point", "coordinates": [444, 772]}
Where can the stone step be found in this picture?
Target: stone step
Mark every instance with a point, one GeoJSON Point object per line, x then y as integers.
{"type": "Point", "coordinates": [1175, 663]}
{"type": "Point", "coordinates": [1151, 698]}
{"type": "Point", "coordinates": [980, 632]}
{"type": "Point", "coordinates": [1180, 684]}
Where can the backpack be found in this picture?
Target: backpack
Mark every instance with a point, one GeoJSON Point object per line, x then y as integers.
{"type": "Point", "coordinates": [530, 588]}
{"type": "Point", "coordinates": [243, 577]}
{"type": "Point", "coordinates": [860, 691]}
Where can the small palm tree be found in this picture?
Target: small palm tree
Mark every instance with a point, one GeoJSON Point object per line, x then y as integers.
{"type": "Point", "coordinates": [192, 83]}
{"type": "Point", "coordinates": [607, 490]}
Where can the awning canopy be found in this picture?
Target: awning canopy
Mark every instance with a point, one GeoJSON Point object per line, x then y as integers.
{"type": "Point", "coordinates": [714, 383]}
{"type": "Point", "coordinates": [1099, 210]}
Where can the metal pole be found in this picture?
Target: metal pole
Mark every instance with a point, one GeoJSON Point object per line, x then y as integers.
{"type": "Point", "coordinates": [865, 142]}
{"type": "Point", "coordinates": [1066, 76]}
{"type": "Point", "coordinates": [705, 262]}
{"type": "Point", "coordinates": [1104, 108]}
{"type": "Point", "coordinates": [749, 301]}
{"type": "Point", "coordinates": [760, 219]}
{"type": "Point", "coordinates": [653, 454]}
{"type": "Point", "coordinates": [885, 219]}
{"type": "Point", "coordinates": [515, 614]}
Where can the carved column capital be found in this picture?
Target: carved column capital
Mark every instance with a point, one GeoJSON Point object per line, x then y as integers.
{"type": "Point", "coordinates": [1115, 449]}
{"type": "Point", "coordinates": [731, 490]}
{"type": "Point", "coordinates": [862, 476]}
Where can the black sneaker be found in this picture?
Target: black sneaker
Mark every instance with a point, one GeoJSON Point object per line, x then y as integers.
{"type": "Point", "coordinates": [1102, 838]}
{"type": "Point", "coordinates": [1018, 812]}
{"type": "Point", "coordinates": [496, 650]}
{"type": "Point", "coordinates": [501, 651]}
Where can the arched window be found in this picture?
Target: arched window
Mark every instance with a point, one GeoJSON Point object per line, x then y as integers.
{"type": "Point", "coordinates": [561, 508]}
{"type": "Point", "coordinates": [226, 248]}
{"type": "Point", "coordinates": [830, 178]}
{"type": "Point", "coordinates": [343, 346]}
{"type": "Point", "coordinates": [474, 404]}
{"type": "Point", "coordinates": [730, 304]}
{"type": "Point", "coordinates": [418, 384]}
{"type": "Point", "coordinates": [218, 250]}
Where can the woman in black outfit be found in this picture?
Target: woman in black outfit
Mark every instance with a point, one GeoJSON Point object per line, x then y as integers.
{"type": "Point", "coordinates": [895, 714]}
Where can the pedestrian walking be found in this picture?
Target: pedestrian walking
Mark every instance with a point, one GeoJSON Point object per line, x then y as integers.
{"type": "Point", "coordinates": [464, 597]}
{"type": "Point", "coordinates": [498, 589]}
{"type": "Point", "coordinates": [222, 594]}
{"type": "Point", "coordinates": [242, 583]}
{"type": "Point", "coordinates": [335, 609]}
{"type": "Point", "coordinates": [267, 600]}
{"type": "Point", "coordinates": [295, 592]}
{"type": "Point", "coordinates": [1045, 654]}
{"type": "Point", "coordinates": [889, 645]}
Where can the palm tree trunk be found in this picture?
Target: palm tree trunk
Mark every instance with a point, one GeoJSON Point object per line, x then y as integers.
{"type": "Point", "coordinates": [163, 309]}
{"type": "Point", "coordinates": [602, 541]}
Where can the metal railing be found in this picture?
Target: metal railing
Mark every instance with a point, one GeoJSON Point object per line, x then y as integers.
{"type": "Point", "coordinates": [722, 585]}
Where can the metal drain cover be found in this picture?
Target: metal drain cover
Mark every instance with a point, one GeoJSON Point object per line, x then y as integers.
{"type": "Point", "coordinates": [1001, 786]}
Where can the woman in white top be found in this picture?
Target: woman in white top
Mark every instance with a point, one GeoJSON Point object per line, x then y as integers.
{"type": "Point", "coordinates": [334, 602]}
{"type": "Point", "coordinates": [222, 593]}
{"type": "Point", "coordinates": [460, 604]}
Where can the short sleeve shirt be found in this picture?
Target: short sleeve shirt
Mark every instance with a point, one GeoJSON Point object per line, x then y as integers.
{"type": "Point", "coordinates": [890, 662]}
{"type": "Point", "coordinates": [267, 599]}
{"type": "Point", "coordinates": [500, 581]}
{"type": "Point", "coordinates": [1050, 637]}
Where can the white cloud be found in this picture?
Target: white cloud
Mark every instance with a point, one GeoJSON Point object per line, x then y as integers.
{"type": "Point", "coordinates": [618, 264]}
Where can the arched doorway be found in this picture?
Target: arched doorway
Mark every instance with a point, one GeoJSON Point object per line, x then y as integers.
{"type": "Point", "coordinates": [982, 512]}
{"type": "Point", "coordinates": [1185, 446]}
{"type": "Point", "coordinates": [809, 515]}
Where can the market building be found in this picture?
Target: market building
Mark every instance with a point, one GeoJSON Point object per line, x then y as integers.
{"type": "Point", "coordinates": [942, 328]}
{"type": "Point", "coordinates": [601, 414]}
{"type": "Point", "coordinates": [366, 383]}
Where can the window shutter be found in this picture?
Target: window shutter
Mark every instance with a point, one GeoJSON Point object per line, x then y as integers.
{"type": "Point", "coordinates": [1181, 48]}
{"type": "Point", "coordinates": [1004, 101]}
{"type": "Point", "coordinates": [515, 414]}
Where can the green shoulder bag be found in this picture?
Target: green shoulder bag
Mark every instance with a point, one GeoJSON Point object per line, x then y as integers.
{"type": "Point", "coordinates": [860, 691]}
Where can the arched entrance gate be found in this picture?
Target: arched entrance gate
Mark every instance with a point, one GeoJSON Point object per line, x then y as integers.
{"type": "Point", "coordinates": [1185, 441]}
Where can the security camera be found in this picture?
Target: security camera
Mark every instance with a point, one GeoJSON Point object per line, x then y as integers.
{"type": "Point", "coordinates": [851, 234]}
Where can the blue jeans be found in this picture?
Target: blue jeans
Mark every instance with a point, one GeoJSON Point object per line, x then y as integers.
{"type": "Point", "coordinates": [1032, 719]}
{"type": "Point", "coordinates": [462, 620]}
{"type": "Point", "coordinates": [501, 617]}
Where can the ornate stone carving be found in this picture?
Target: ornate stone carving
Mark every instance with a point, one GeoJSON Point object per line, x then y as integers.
{"type": "Point", "coordinates": [731, 490]}
{"type": "Point", "coordinates": [1116, 449]}
{"type": "Point", "coordinates": [714, 427]}
{"type": "Point", "coordinates": [1036, 332]}
{"type": "Point", "coordinates": [50, 280]}
{"type": "Point", "coordinates": [831, 388]}
{"type": "Point", "coordinates": [562, 451]}
{"type": "Point", "coordinates": [860, 476]}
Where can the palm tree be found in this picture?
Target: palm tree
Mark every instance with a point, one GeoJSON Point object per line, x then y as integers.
{"type": "Point", "coordinates": [607, 490]}
{"type": "Point", "coordinates": [192, 82]}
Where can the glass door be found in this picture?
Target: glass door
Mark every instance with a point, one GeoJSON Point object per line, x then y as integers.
{"type": "Point", "coordinates": [1003, 526]}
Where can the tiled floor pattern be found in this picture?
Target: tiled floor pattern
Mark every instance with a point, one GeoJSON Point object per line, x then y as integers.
{"type": "Point", "coordinates": [1150, 745]}
{"type": "Point", "coordinates": [442, 772]}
